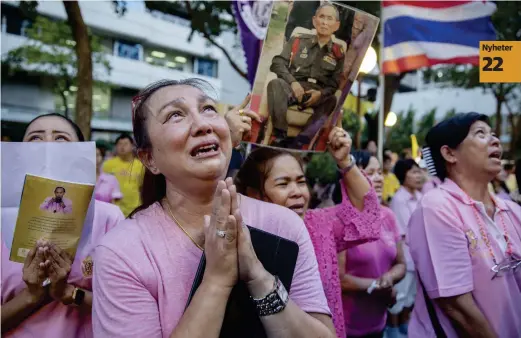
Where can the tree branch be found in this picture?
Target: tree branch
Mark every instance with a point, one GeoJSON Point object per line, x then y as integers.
{"type": "Point", "coordinates": [216, 44]}
{"type": "Point", "coordinates": [84, 62]}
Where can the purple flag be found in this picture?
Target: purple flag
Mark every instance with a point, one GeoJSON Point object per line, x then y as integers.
{"type": "Point", "coordinates": [252, 19]}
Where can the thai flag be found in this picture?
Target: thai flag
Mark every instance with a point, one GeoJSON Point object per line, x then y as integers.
{"type": "Point", "coordinates": [424, 33]}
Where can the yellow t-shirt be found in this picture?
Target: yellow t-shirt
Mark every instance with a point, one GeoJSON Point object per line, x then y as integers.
{"type": "Point", "coordinates": [130, 178]}
{"type": "Point", "coordinates": [511, 182]}
{"type": "Point", "coordinates": [391, 185]}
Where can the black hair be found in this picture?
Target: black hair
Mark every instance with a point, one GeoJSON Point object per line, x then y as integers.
{"type": "Point", "coordinates": [256, 169]}
{"type": "Point", "coordinates": [451, 133]}
{"type": "Point", "coordinates": [153, 188]}
{"type": "Point", "coordinates": [124, 136]}
{"type": "Point", "coordinates": [62, 188]}
{"type": "Point", "coordinates": [402, 167]}
{"type": "Point", "coordinates": [102, 149]}
{"type": "Point", "coordinates": [362, 158]}
{"type": "Point", "coordinates": [74, 126]}
{"type": "Point", "coordinates": [518, 174]}
{"type": "Point", "coordinates": [387, 157]}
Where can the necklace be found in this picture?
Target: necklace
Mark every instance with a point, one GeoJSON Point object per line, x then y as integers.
{"type": "Point", "coordinates": [180, 226]}
{"type": "Point", "coordinates": [484, 235]}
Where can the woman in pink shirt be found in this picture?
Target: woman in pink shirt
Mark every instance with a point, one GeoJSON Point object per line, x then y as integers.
{"type": "Point", "coordinates": [466, 244]}
{"type": "Point", "coordinates": [403, 204]}
{"type": "Point", "coordinates": [369, 271]}
{"type": "Point", "coordinates": [147, 265]}
{"type": "Point", "coordinates": [107, 185]}
{"type": "Point", "coordinates": [63, 307]}
{"type": "Point", "coordinates": [277, 176]}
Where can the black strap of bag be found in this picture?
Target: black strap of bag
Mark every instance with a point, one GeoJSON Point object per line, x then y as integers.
{"type": "Point", "coordinates": [438, 329]}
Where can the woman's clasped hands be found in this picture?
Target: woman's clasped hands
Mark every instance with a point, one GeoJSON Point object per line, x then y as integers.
{"type": "Point", "coordinates": [228, 248]}
{"type": "Point", "coordinates": [45, 272]}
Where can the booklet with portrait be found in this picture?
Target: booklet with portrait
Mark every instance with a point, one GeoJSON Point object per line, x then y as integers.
{"type": "Point", "coordinates": [53, 210]}
{"type": "Point", "coordinates": [279, 257]}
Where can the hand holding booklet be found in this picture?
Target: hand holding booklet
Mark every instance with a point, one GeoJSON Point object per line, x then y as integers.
{"type": "Point", "coordinates": [51, 210]}
{"type": "Point", "coordinates": [47, 193]}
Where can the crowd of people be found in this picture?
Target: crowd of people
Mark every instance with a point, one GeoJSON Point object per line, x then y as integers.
{"type": "Point", "coordinates": [424, 249]}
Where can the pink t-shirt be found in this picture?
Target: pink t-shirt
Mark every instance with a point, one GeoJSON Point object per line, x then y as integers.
{"type": "Point", "coordinates": [403, 205]}
{"type": "Point", "coordinates": [56, 320]}
{"type": "Point", "coordinates": [335, 229]}
{"type": "Point", "coordinates": [432, 183]}
{"type": "Point", "coordinates": [147, 265]}
{"type": "Point", "coordinates": [363, 313]}
{"type": "Point", "coordinates": [107, 188]}
{"type": "Point", "coordinates": [452, 259]}
{"type": "Point", "coordinates": [64, 207]}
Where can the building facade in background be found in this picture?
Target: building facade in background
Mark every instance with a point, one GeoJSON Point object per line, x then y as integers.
{"type": "Point", "coordinates": [141, 46]}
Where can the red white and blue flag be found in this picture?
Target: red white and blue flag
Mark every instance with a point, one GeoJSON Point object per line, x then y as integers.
{"type": "Point", "coordinates": [424, 33]}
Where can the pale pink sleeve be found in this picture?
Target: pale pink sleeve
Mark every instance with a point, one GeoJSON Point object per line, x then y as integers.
{"type": "Point", "coordinates": [440, 252]}
{"type": "Point", "coordinates": [122, 305]}
{"type": "Point", "coordinates": [116, 193]}
{"type": "Point", "coordinates": [350, 226]}
{"type": "Point", "coordinates": [401, 212]}
{"type": "Point", "coordinates": [115, 217]}
{"type": "Point", "coordinates": [45, 204]}
{"type": "Point", "coordinates": [306, 288]}
{"type": "Point", "coordinates": [68, 206]}
{"type": "Point", "coordinates": [393, 225]}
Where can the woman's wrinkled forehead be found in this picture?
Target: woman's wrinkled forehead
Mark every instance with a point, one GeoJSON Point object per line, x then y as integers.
{"type": "Point", "coordinates": [179, 95]}
{"type": "Point", "coordinates": [479, 124]}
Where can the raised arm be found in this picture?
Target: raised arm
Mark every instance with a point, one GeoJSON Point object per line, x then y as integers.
{"type": "Point", "coordinates": [357, 218]}
{"type": "Point", "coordinates": [356, 185]}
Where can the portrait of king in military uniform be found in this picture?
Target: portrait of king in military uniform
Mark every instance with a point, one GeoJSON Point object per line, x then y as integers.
{"type": "Point", "coordinates": [308, 74]}
{"type": "Point", "coordinates": [309, 60]}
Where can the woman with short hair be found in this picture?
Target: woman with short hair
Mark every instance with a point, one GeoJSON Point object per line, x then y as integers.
{"type": "Point", "coordinates": [466, 243]}
{"type": "Point", "coordinates": [403, 204]}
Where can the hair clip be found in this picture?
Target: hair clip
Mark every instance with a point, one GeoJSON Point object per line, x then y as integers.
{"type": "Point", "coordinates": [427, 157]}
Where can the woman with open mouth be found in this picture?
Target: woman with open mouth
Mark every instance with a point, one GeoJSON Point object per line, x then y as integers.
{"type": "Point", "coordinates": [465, 243]}
{"type": "Point", "coordinates": [277, 176]}
{"type": "Point", "coordinates": [148, 263]}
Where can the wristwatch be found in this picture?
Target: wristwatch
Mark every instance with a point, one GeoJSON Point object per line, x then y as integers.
{"type": "Point", "coordinates": [352, 162]}
{"type": "Point", "coordinates": [274, 302]}
{"type": "Point", "coordinates": [78, 295]}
